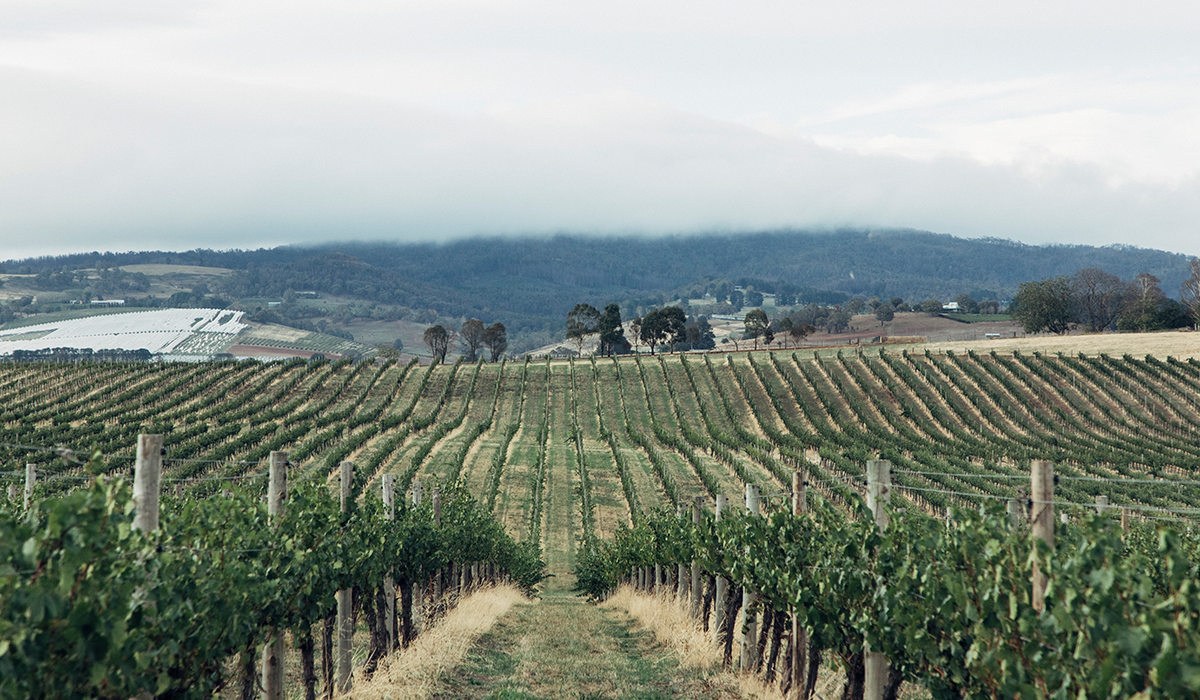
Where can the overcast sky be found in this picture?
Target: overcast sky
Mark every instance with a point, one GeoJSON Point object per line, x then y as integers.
{"type": "Point", "coordinates": [177, 124]}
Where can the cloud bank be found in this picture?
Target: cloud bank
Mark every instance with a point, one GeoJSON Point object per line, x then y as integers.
{"type": "Point", "coordinates": [217, 125]}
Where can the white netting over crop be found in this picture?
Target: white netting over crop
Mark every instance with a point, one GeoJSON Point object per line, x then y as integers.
{"type": "Point", "coordinates": [157, 331]}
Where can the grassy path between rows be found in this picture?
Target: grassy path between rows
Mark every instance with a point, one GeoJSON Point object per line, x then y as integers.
{"type": "Point", "coordinates": [563, 647]}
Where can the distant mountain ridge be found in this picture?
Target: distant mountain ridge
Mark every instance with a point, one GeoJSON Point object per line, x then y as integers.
{"type": "Point", "coordinates": [532, 281]}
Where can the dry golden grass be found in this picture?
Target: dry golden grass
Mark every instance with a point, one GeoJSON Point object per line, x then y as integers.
{"type": "Point", "coordinates": [274, 331]}
{"type": "Point", "coordinates": [1180, 344]}
{"type": "Point", "coordinates": [413, 673]}
{"type": "Point", "coordinates": [674, 627]}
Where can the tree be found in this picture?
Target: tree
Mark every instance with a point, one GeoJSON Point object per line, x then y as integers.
{"type": "Point", "coordinates": [966, 304]}
{"type": "Point", "coordinates": [582, 321]}
{"type": "Point", "coordinates": [652, 331]}
{"type": "Point", "coordinates": [387, 352]}
{"type": "Point", "coordinates": [635, 329]}
{"type": "Point", "coordinates": [663, 326]}
{"type": "Point", "coordinates": [438, 340]}
{"type": "Point", "coordinates": [736, 300]}
{"type": "Point", "coordinates": [1173, 314]}
{"type": "Point", "coordinates": [933, 307]}
{"type": "Point", "coordinates": [612, 336]}
{"type": "Point", "coordinates": [833, 319]}
{"type": "Point", "coordinates": [1045, 305]}
{"type": "Point", "coordinates": [705, 338]}
{"type": "Point", "coordinates": [799, 331]}
{"type": "Point", "coordinates": [758, 325]}
{"type": "Point", "coordinates": [495, 339]}
{"type": "Point", "coordinates": [674, 321]}
{"type": "Point", "coordinates": [884, 313]}
{"type": "Point", "coordinates": [854, 305]}
{"type": "Point", "coordinates": [754, 297]}
{"type": "Point", "coordinates": [785, 329]}
{"type": "Point", "coordinates": [471, 337]}
{"type": "Point", "coordinates": [1189, 292]}
{"type": "Point", "coordinates": [1141, 310]}
{"type": "Point", "coordinates": [1098, 295]}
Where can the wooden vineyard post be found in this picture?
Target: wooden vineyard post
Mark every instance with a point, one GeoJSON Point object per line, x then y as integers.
{"type": "Point", "coordinates": [749, 656]}
{"type": "Point", "coordinates": [799, 632]}
{"type": "Point", "coordinates": [1125, 522]}
{"type": "Point", "coordinates": [1042, 490]}
{"type": "Point", "coordinates": [722, 585]}
{"type": "Point", "coordinates": [681, 583]}
{"type": "Point", "coordinates": [1014, 511]}
{"type": "Point", "coordinates": [345, 619]}
{"type": "Point", "coordinates": [417, 604]}
{"type": "Point", "coordinates": [1101, 504]}
{"type": "Point", "coordinates": [147, 482]}
{"type": "Point", "coordinates": [879, 494]}
{"type": "Point", "coordinates": [389, 583]}
{"type": "Point", "coordinates": [13, 490]}
{"type": "Point", "coordinates": [694, 588]}
{"type": "Point", "coordinates": [30, 482]}
{"type": "Point", "coordinates": [273, 651]}
{"type": "Point", "coordinates": [436, 499]}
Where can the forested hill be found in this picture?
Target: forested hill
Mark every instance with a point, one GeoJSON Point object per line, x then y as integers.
{"type": "Point", "coordinates": [524, 278]}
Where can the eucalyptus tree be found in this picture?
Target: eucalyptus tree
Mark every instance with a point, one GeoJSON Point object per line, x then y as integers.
{"type": "Point", "coordinates": [582, 321]}
{"type": "Point", "coordinates": [495, 339]}
{"type": "Point", "coordinates": [611, 334]}
{"type": "Point", "coordinates": [438, 338]}
{"type": "Point", "coordinates": [758, 326]}
{"type": "Point", "coordinates": [471, 337]}
{"type": "Point", "coordinates": [1045, 305]}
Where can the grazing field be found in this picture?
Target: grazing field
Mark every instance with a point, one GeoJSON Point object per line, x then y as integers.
{"type": "Point", "coordinates": [1180, 344]}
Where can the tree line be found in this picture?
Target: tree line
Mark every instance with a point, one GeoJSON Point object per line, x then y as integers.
{"type": "Point", "coordinates": [1098, 301]}
{"type": "Point", "coordinates": [531, 283]}
{"type": "Point", "coordinates": [473, 336]}
{"type": "Point", "coordinates": [668, 327]}
{"type": "Point", "coordinates": [1091, 297]}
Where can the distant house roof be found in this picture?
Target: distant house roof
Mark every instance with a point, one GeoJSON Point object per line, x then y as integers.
{"type": "Point", "coordinates": [108, 302]}
{"type": "Point", "coordinates": [952, 306]}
